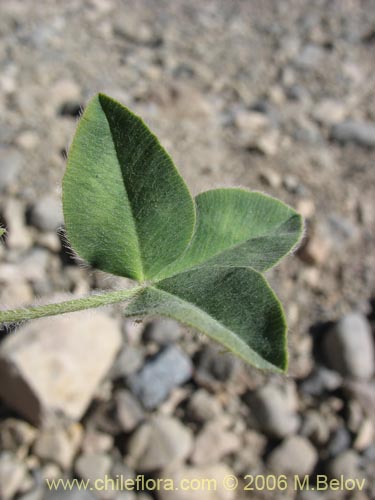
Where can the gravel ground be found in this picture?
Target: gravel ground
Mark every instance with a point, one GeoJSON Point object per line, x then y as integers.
{"type": "Point", "coordinates": [276, 96]}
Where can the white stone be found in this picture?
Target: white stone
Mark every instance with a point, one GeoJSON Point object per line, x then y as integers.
{"type": "Point", "coordinates": [329, 112]}
{"type": "Point", "coordinates": [93, 466]}
{"type": "Point", "coordinates": [203, 406]}
{"type": "Point", "coordinates": [18, 236]}
{"type": "Point", "coordinates": [64, 91]}
{"type": "Point", "coordinates": [12, 475]}
{"type": "Point", "coordinates": [159, 443]}
{"type": "Point", "coordinates": [251, 121]}
{"type": "Point", "coordinates": [213, 443]}
{"type": "Point", "coordinates": [55, 364]}
{"type": "Point", "coordinates": [59, 445]}
{"type": "Point", "coordinates": [295, 455]}
{"type": "Point", "coordinates": [16, 294]}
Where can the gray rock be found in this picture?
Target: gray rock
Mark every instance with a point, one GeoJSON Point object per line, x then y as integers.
{"type": "Point", "coordinates": [349, 347]}
{"type": "Point", "coordinates": [159, 443]}
{"type": "Point", "coordinates": [168, 369]}
{"type": "Point", "coordinates": [10, 166]}
{"type": "Point", "coordinates": [339, 442]}
{"type": "Point", "coordinates": [12, 475]}
{"type": "Point", "coordinates": [163, 331]}
{"type": "Point", "coordinates": [58, 445]}
{"type": "Point", "coordinates": [121, 469]}
{"type": "Point", "coordinates": [362, 391]}
{"type": "Point", "coordinates": [369, 453]}
{"type": "Point", "coordinates": [47, 213]}
{"type": "Point", "coordinates": [129, 360]}
{"type": "Point", "coordinates": [341, 231]}
{"type": "Point", "coordinates": [274, 410]}
{"type": "Point", "coordinates": [315, 427]}
{"type": "Point", "coordinates": [96, 442]}
{"type": "Point", "coordinates": [308, 133]}
{"type": "Point", "coordinates": [93, 466]}
{"type": "Point", "coordinates": [296, 92]}
{"type": "Point", "coordinates": [346, 464]}
{"type": "Point", "coordinates": [321, 380]}
{"type": "Point", "coordinates": [34, 265]}
{"type": "Point", "coordinates": [249, 456]}
{"type": "Point", "coordinates": [310, 57]}
{"type": "Point", "coordinates": [361, 133]}
{"type": "Point", "coordinates": [129, 412]}
{"type": "Point", "coordinates": [143, 34]}
{"type": "Point", "coordinates": [214, 366]}
{"type": "Point", "coordinates": [295, 455]}
{"type": "Point", "coordinates": [213, 443]}
{"type": "Point", "coordinates": [55, 364]}
{"type": "Point", "coordinates": [291, 183]}
{"type": "Point", "coordinates": [202, 406]}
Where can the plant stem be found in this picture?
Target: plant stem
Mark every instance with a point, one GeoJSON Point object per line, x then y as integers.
{"type": "Point", "coordinates": [33, 312]}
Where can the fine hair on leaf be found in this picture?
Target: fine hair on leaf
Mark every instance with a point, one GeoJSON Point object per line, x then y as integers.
{"type": "Point", "coordinates": [201, 261]}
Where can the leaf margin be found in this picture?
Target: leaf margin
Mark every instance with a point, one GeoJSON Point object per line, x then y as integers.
{"type": "Point", "coordinates": [210, 261]}
{"type": "Point", "coordinates": [173, 168]}
{"type": "Point", "coordinates": [260, 362]}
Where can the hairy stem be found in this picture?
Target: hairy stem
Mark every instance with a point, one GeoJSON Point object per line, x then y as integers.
{"type": "Point", "coordinates": [96, 300]}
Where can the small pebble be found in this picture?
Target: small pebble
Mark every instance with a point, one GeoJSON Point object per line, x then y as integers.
{"type": "Point", "coordinates": [11, 162]}
{"type": "Point", "coordinates": [202, 406]}
{"type": "Point", "coordinates": [346, 464]}
{"type": "Point", "coordinates": [214, 365]}
{"type": "Point", "coordinates": [93, 466]}
{"type": "Point", "coordinates": [129, 360]}
{"type": "Point", "coordinates": [59, 445]}
{"type": "Point", "coordinates": [162, 331]}
{"type": "Point", "coordinates": [295, 455]}
{"type": "Point", "coordinates": [213, 443]}
{"type": "Point", "coordinates": [47, 214]}
{"type": "Point", "coordinates": [168, 369]}
{"type": "Point", "coordinates": [158, 443]}
{"type": "Point", "coordinates": [361, 133]}
{"type": "Point", "coordinates": [274, 410]}
{"type": "Point", "coordinates": [339, 442]}
{"type": "Point", "coordinates": [349, 347]}
{"type": "Point", "coordinates": [129, 412]}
